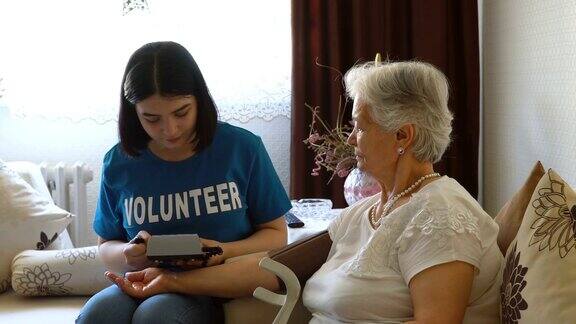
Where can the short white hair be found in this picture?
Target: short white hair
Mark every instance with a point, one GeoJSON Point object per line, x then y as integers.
{"type": "Point", "coordinates": [400, 93]}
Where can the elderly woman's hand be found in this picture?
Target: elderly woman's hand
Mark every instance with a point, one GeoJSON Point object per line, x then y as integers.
{"type": "Point", "coordinates": [144, 283]}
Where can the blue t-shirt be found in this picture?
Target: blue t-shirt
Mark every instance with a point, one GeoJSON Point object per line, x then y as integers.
{"type": "Point", "coordinates": [220, 193]}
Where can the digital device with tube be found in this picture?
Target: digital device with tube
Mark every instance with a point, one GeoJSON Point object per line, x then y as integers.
{"type": "Point", "coordinates": [168, 248]}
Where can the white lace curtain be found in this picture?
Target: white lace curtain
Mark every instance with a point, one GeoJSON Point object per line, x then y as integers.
{"type": "Point", "coordinates": [65, 58]}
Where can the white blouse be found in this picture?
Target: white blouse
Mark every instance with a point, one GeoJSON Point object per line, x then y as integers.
{"type": "Point", "coordinates": [365, 278]}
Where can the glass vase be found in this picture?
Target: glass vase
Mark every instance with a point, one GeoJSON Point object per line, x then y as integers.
{"type": "Point", "coordinates": [359, 185]}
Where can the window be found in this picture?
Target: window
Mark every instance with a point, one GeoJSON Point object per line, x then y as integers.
{"type": "Point", "coordinates": [65, 59]}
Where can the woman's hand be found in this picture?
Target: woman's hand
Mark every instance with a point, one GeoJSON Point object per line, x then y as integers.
{"type": "Point", "coordinates": [144, 283]}
{"type": "Point", "coordinates": [135, 253]}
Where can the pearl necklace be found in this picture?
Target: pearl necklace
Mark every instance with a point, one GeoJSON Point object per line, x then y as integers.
{"type": "Point", "coordinates": [390, 202]}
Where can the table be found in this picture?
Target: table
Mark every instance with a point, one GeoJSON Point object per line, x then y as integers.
{"type": "Point", "coordinates": [314, 222]}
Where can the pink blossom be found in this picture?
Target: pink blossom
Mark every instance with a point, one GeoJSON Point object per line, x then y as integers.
{"type": "Point", "coordinates": [343, 172]}
{"type": "Point", "coordinates": [318, 161]}
{"type": "Point", "coordinates": [313, 138]}
{"type": "Point", "coordinates": [332, 153]}
{"type": "Point", "coordinates": [329, 157]}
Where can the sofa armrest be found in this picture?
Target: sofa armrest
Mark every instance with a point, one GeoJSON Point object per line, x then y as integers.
{"type": "Point", "coordinates": [305, 256]}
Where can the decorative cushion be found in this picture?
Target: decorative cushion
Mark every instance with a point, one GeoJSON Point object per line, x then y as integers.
{"type": "Point", "coordinates": [29, 220]}
{"type": "Point", "coordinates": [31, 173]}
{"type": "Point", "coordinates": [510, 216]}
{"type": "Point", "coordinates": [539, 281]}
{"type": "Point", "coordinates": [66, 272]}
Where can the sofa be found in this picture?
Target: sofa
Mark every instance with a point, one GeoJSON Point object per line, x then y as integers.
{"type": "Point", "coordinates": [84, 270]}
{"type": "Point", "coordinates": [537, 237]}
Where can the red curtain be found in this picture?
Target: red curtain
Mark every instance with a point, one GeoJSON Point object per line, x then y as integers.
{"type": "Point", "coordinates": [340, 33]}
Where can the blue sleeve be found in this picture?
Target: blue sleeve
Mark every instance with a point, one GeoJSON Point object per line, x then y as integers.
{"type": "Point", "coordinates": [108, 219]}
{"type": "Point", "coordinates": [267, 199]}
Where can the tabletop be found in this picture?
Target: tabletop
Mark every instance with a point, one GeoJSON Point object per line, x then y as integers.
{"type": "Point", "coordinates": [315, 221]}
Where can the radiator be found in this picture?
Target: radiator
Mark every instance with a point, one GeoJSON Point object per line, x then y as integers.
{"type": "Point", "coordinates": [68, 187]}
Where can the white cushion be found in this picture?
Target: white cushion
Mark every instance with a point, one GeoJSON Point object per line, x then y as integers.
{"type": "Point", "coordinates": [58, 273]}
{"type": "Point", "coordinates": [31, 173]}
{"type": "Point", "coordinates": [539, 281]}
{"type": "Point", "coordinates": [29, 220]}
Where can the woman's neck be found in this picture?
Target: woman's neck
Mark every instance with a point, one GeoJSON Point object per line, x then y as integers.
{"type": "Point", "coordinates": [403, 177]}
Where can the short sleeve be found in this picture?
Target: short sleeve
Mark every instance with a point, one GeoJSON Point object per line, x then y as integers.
{"type": "Point", "coordinates": [436, 236]}
{"type": "Point", "coordinates": [108, 219]}
{"type": "Point", "coordinates": [267, 199]}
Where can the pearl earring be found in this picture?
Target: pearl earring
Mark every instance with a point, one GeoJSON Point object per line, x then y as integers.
{"type": "Point", "coordinates": [400, 150]}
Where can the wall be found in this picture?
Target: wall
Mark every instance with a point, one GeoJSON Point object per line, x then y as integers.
{"type": "Point", "coordinates": [529, 81]}
{"type": "Point", "coordinates": [40, 139]}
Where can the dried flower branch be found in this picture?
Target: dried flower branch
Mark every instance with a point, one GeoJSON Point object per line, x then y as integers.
{"type": "Point", "coordinates": [331, 151]}
{"type": "Point", "coordinates": [329, 145]}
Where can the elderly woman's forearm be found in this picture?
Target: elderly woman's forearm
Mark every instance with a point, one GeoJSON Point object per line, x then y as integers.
{"type": "Point", "coordinates": [228, 280]}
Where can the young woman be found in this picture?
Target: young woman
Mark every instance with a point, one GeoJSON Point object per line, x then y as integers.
{"type": "Point", "coordinates": [178, 170]}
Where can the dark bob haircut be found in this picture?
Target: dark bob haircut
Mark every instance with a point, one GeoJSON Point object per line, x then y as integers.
{"type": "Point", "coordinates": [167, 69]}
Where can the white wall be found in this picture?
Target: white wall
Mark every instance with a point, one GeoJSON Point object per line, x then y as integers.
{"type": "Point", "coordinates": [529, 82]}
{"type": "Point", "coordinates": [39, 139]}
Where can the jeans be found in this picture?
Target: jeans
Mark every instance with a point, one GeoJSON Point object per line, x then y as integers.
{"type": "Point", "coordinates": [111, 305]}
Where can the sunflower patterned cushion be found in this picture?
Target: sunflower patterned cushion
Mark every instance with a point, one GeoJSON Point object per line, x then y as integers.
{"type": "Point", "coordinates": [77, 272]}
{"type": "Point", "coordinates": [539, 280]}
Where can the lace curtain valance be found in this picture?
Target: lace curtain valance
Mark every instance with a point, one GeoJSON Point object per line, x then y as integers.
{"type": "Point", "coordinates": [65, 59]}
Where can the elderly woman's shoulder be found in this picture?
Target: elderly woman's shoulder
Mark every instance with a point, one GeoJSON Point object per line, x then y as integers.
{"type": "Point", "coordinates": [447, 195]}
{"type": "Point", "coordinates": [444, 209]}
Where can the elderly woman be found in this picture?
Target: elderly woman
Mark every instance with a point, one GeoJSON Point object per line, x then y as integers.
{"type": "Point", "coordinates": [421, 251]}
